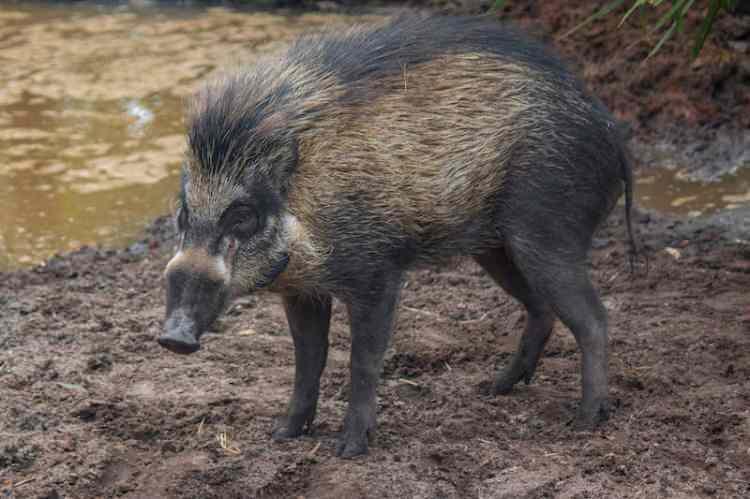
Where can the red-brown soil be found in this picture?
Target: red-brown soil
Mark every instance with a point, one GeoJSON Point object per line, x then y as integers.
{"type": "Point", "coordinates": [667, 94]}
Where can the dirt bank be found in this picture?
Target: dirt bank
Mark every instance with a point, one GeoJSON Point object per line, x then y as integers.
{"type": "Point", "coordinates": [694, 115]}
{"type": "Point", "coordinates": [91, 407]}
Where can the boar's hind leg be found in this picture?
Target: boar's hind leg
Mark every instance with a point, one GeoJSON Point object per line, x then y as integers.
{"type": "Point", "coordinates": [539, 322]}
{"type": "Point", "coordinates": [309, 319]}
{"type": "Point", "coordinates": [562, 279]}
{"type": "Point", "coordinates": [371, 316]}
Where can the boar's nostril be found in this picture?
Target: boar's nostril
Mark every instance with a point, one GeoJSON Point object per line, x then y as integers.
{"type": "Point", "coordinates": [180, 334]}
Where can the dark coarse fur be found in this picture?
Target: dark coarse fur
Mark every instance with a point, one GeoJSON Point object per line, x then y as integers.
{"type": "Point", "coordinates": [281, 104]}
{"type": "Point", "coordinates": [369, 152]}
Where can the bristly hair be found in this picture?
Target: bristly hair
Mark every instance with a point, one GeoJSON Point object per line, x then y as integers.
{"type": "Point", "coordinates": [373, 51]}
{"type": "Point", "coordinates": [239, 117]}
{"type": "Point", "coordinates": [225, 129]}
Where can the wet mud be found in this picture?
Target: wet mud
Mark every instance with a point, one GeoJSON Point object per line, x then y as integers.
{"type": "Point", "coordinates": [93, 407]}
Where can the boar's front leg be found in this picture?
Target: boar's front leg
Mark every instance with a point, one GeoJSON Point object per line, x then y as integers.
{"type": "Point", "coordinates": [371, 316]}
{"type": "Point", "coordinates": [309, 320]}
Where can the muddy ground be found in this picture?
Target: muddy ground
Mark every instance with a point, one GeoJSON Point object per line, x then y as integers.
{"type": "Point", "coordinates": [90, 406]}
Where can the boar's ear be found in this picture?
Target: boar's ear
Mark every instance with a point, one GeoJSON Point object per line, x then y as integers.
{"type": "Point", "coordinates": [284, 162]}
{"type": "Point", "coordinates": [279, 150]}
{"type": "Point", "coordinates": [272, 124]}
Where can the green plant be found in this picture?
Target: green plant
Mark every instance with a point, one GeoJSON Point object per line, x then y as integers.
{"type": "Point", "coordinates": [672, 20]}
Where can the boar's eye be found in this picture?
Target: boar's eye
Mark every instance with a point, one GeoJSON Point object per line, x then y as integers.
{"type": "Point", "coordinates": [245, 229]}
{"type": "Point", "coordinates": [240, 222]}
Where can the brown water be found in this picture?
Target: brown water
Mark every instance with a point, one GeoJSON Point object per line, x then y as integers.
{"type": "Point", "coordinates": [91, 132]}
{"type": "Point", "coordinates": [671, 191]}
{"type": "Point", "coordinates": [91, 106]}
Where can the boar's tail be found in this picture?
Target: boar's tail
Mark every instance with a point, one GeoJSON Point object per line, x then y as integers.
{"type": "Point", "coordinates": [627, 177]}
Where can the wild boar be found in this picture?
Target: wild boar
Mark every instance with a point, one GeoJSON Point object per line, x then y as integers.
{"type": "Point", "coordinates": [331, 169]}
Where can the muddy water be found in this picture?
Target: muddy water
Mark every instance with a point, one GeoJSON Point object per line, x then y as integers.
{"type": "Point", "coordinates": [91, 107]}
{"type": "Point", "coordinates": [673, 191]}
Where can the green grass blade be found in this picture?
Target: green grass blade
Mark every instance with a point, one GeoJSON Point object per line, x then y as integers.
{"type": "Point", "coordinates": [668, 34]}
{"type": "Point", "coordinates": [700, 39]}
{"type": "Point", "coordinates": [596, 15]}
{"type": "Point", "coordinates": [681, 15]}
{"type": "Point", "coordinates": [498, 5]}
{"type": "Point", "coordinates": [671, 15]}
{"type": "Point", "coordinates": [638, 4]}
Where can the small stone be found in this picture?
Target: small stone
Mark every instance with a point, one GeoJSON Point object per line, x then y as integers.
{"type": "Point", "coordinates": [599, 243]}
{"type": "Point", "coordinates": [327, 6]}
{"type": "Point", "coordinates": [86, 411]}
{"type": "Point", "coordinates": [708, 488]}
{"type": "Point", "coordinates": [50, 494]}
{"type": "Point", "coordinates": [137, 249]}
{"type": "Point", "coordinates": [673, 252]}
{"type": "Point", "coordinates": [740, 46]}
{"type": "Point", "coordinates": [99, 362]}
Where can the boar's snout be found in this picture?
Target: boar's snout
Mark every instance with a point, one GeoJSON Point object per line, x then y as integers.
{"type": "Point", "coordinates": [180, 334]}
{"type": "Point", "coordinates": [196, 296]}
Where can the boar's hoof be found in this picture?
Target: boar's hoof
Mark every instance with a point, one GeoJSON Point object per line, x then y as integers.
{"type": "Point", "coordinates": [287, 430]}
{"type": "Point", "coordinates": [294, 424]}
{"type": "Point", "coordinates": [358, 427]}
{"type": "Point", "coordinates": [179, 345]}
{"type": "Point", "coordinates": [503, 386]}
{"type": "Point", "coordinates": [590, 414]}
{"type": "Point", "coordinates": [350, 446]}
{"type": "Point", "coordinates": [353, 442]}
{"type": "Point", "coordinates": [505, 381]}
{"type": "Point", "coordinates": [521, 368]}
